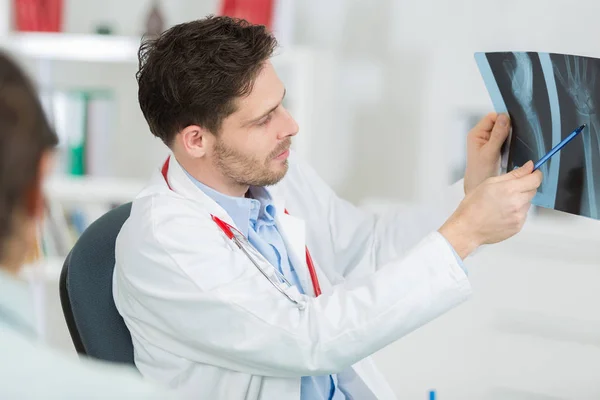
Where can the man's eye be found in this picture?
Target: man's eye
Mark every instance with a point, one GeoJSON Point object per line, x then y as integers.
{"type": "Point", "coordinates": [266, 120]}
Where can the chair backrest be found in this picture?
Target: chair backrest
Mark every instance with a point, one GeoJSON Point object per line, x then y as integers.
{"type": "Point", "coordinates": [94, 323]}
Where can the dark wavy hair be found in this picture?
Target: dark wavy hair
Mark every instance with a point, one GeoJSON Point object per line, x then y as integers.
{"type": "Point", "coordinates": [193, 72]}
{"type": "Point", "coordinates": [24, 135]}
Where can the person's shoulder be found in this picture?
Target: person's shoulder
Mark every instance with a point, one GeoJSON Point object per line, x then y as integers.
{"type": "Point", "coordinates": [158, 211]}
{"type": "Point", "coordinates": [32, 370]}
{"type": "Point", "coordinates": [158, 200]}
{"type": "Point", "coordinates": [163, 228]}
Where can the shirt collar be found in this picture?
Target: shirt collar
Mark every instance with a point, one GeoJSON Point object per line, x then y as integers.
{"type": "Point", "coordinates": [267, 207]}
{"type": "Point", "coordinates": [16, 305]}
{"type": "Point", "coordinates": [243, 211]}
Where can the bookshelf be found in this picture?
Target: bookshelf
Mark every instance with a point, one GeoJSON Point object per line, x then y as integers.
{"type": "Point", "coordinates": [297, 66]}
{"type": "Point", "coordinates": [90, 189]}
{"type": "Point", "coordinates": [71, 62]}
{"type": "Point", "coordinates": [51, 52]}
{"type": "Point", "coordinates": [49, 46]}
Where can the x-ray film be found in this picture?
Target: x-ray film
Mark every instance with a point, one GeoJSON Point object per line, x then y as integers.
{"type": "Point", "coordinates": [547, 97]}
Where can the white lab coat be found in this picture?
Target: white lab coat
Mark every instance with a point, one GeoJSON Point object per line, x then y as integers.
{"type": "Point", "coordinates": [204, 319]}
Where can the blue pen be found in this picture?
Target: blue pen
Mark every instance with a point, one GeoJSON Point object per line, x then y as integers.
{"type": "Point", "coordinates": [559, 146]}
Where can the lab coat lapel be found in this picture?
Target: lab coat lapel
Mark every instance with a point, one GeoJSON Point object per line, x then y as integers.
{"type": "Point", "coordinates": [293, 232]}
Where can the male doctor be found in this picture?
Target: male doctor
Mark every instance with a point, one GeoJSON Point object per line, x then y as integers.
{"type": "Point", "coordinates": [213, 275]}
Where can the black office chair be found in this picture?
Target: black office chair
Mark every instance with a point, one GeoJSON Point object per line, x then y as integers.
{"type": "Point", "coordinates": [85, 286]}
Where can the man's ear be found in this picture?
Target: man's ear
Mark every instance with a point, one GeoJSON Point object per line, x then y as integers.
{"type": "Point", "coordinates": [195, 140]}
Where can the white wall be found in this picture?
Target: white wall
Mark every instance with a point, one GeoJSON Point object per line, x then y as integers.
{"type": "Point", "coordinates": [458, 29]}
{"type": "Point", "coordinates": [531, 330]}
{"type": "Point", "coordinates": [398, 120]}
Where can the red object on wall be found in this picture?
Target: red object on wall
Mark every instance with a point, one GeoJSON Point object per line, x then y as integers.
{"type": "Point", "coordinates": [258, 12]}
{"type": "Point", "coordinates": [38, 15]}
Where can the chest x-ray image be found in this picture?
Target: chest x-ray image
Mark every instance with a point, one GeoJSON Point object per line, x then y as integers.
{"type": "Point", "coordinates": [547, 97]}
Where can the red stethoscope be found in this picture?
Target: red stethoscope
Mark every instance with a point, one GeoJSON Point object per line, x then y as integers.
{"type": "Point", "coordinates": [270, 272]}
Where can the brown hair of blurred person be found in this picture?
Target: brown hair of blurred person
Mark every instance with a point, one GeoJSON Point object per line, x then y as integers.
{"type": "Point", "coordinates": [26, 145]}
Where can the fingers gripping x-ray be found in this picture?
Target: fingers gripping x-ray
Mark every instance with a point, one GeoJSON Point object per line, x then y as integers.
{"type": "Point", "coordinates": [579, 81]}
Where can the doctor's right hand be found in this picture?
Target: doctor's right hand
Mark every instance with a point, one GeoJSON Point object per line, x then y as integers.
{"type": "Point", "coordinates": [493, 212]}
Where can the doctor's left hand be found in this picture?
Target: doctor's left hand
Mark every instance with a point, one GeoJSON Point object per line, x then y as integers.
{"type": "Point", "coordinates": [483, 149]}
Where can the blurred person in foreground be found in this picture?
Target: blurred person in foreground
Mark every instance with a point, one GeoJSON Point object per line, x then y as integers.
{"type": "Point", "coordinates": [241, 275]}
{"type": "Point", "coordinates": [30, 370]}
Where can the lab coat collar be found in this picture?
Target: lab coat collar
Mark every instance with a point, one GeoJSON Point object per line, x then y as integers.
{"type": "Point", "coordinates": [243, 210]}
{"type": "Point", "coordinates": [292, 229]}
{"type": "Point", "coordinates": [183, 186]}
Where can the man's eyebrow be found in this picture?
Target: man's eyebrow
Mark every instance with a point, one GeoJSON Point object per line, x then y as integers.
{"type": "Point", "coordinates": [268, 112]}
